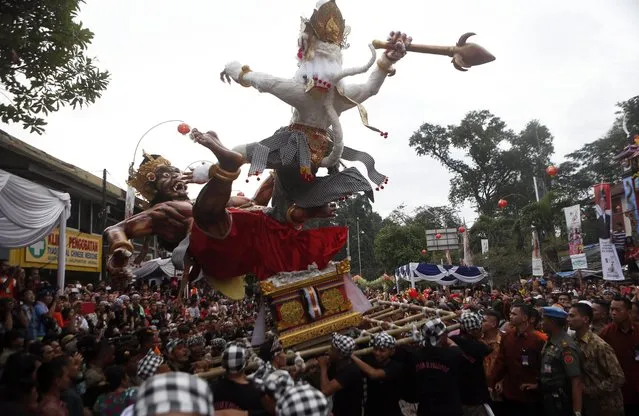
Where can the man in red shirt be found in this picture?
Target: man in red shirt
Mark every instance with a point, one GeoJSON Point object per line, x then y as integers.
{"type": "Point", "coordinates": [517, 367]}
{"type": "Point", "coordinates": [7, 283]}
{"type": "Point", "coordinates": [623, 336]}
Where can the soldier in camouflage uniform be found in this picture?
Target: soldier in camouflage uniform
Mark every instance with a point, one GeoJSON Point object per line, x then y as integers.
{"type": "Point", "coordinates": [560, 378]}
{"type": "Point", "coordinates": [602, 375]}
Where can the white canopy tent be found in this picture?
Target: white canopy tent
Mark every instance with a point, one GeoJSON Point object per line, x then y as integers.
{"type": "Point", "coordinates": [29, 212]}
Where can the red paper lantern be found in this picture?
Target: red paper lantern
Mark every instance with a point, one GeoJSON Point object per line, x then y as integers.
{"type": "Point", "coordinates": [551, 171]}
{"type": "Point", "coordinates": [184, 128]}
{"type": "Point", "coordinates": [502, 203]}
{"type": "Point", "coordinates": [412, 293]}
{"type": "Point", "coordinates": [461, 229]}
{"type": "Point", "coordinates": [438, 236]}
{"type": "Point", "coordinates": [424, 251]}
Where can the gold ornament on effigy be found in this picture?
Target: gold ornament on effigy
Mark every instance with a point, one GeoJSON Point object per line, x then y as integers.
{"type": "Point", "coordinates": [332, 301]}
{"type": "Point", "coordinates": [292, 313]}
{"type": "Point", "coordinates": [145, 174]}
{"type": "Point", "coordinates": [328, 24]}
{"type": "Point", "coordinates": [343, 267]}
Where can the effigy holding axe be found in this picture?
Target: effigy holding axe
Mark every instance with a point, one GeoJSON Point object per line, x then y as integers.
{"type": "Point", "coordinates": [465, 55]}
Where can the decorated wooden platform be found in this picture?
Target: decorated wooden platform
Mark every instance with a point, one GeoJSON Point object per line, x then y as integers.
{"type": "Point", "coordinates": [397, 319]}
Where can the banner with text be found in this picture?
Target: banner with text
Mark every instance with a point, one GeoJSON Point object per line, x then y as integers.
{"type": "Point", "coordinates": [629, 185]}
{"type": "Point", "coordinates": [610, 264]}
{"type": "Point", "coordinates": [82, 250]}
{"type": "Point", "coordinates": [575, 239]}
{"type": "Point", "coordinates": [537, 263]}
{"type": "Point", "coordinates": [484, 245]}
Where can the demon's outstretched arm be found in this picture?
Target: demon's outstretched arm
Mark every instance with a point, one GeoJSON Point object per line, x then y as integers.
{"type": "Point", "coordinates": [170, 220]}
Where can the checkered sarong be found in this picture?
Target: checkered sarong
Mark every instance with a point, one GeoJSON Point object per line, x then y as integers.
{"type": "Point", "coordinates": [287, 151]}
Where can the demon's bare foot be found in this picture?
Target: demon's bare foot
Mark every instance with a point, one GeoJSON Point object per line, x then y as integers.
{"type": "Point", "coordinates": [229, 160]}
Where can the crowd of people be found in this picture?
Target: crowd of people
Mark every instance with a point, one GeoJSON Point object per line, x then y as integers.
{"type": "Point", "coordinates": [530, 348]}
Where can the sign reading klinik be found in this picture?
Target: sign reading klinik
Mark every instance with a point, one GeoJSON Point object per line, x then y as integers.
{"type": "Point", "coordinates": [82, 250]}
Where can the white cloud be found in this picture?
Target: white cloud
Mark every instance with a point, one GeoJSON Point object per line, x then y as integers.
{"type": "Point", "coordinates": [566, 63]}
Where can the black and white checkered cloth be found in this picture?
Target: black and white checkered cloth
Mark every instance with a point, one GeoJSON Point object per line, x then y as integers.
{"type": "Point", "coordinates": [430, 333]}
{"type": "Point", "coordinates": [174, 393]}
{"type": "Point", "coordinates": [234, 357]}
{"type": "Point", "coordinates": [276, 383]}
{"type": "Point", "coordinates": [302, 400]}
{"type": "Point", "coordinates": [219, 344]}
{"type": "Point", "coordinates": [149, 364]}
{"type": "Point", "coordinates": [383, 340]}
{"type": "Point", "coordinates": [470, 321]}
{"type": "Point", "coordinates": [195, 340]}
{"type": "Point", "coordinates": [170, 346]}
{"type": "Point", "coordinates": [345, 345]}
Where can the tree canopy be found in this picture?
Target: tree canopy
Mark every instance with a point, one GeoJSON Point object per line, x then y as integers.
{"type": "Point", "coordinates": [43, 61]}
{"type": "Point", "coordinates": [488, 161]}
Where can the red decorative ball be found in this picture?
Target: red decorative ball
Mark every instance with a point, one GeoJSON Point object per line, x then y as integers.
{"type": "Point", "coordinates": [502, 203]}
{"type": "Point", "coordinates": [424, 251]}
{"type": "Point", "coordinates": [461, 229]}
{"type": "Point", "coordinates": [551, 171]}
{"type": "Point", "coordinates": [412, 293]}
{"type": "Point", "coordinates": [184, 128]}
{"type": "Point", "coordinates": [438, 236]}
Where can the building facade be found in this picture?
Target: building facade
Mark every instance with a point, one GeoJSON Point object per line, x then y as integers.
{"type": "Point", "coordinates": [95, 204]}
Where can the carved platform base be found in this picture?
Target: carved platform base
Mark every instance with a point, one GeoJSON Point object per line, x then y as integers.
{"type": "Point", "coordinates": [319, 329]}
{"type": "Point", "coordinates": [310, 304]}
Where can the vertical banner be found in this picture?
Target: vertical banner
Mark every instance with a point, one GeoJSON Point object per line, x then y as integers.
{"type": "Point", "coordinates": [575, 238]}
{"type": "Point", "coordinates": [468, 255]}
{"type": "Point", "coordinates": [631, 201]}
{"type": "Point", "coordinates": [484, 245]}
{"type": "Point", "coordinates": [448, 258]}
{"type": "Point", "coordinates": [537, 263]}
{"type": "Point", "coordinates": [129, 202]}
{"type": "Point", "coordinates": [610, 265]}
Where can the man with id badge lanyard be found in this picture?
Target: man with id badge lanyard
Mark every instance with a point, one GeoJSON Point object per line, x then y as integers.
{"type": "Point", "coordinates": [623, 336]}
{"type": "Point", "coordinates": [516, 369]}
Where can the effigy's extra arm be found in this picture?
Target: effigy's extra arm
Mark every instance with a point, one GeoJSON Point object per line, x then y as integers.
{"type": "Point", "coordinates": [362, 92]}
{"type": "Point", "coordinates": [288, 90]}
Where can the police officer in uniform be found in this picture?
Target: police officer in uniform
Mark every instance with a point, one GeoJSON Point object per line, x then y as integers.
{"type": "Point", "coordinates": [560, 379]}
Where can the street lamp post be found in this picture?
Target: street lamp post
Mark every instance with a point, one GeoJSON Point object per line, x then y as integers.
{"type": "Point", "coordinates": [130, 192]}
{"type": "Point", "coordinates": [359, 250]}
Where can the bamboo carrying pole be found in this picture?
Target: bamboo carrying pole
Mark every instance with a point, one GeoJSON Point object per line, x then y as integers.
{"type": "Point", "coordinates": [317, 351]}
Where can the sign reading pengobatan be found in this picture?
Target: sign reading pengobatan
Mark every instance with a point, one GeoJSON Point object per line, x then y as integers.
{"type": "Point", "coordinates": [83, 250]}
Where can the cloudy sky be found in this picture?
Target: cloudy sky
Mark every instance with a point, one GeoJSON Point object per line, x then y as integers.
{"type": "Point", "coordinates": [565, 63]}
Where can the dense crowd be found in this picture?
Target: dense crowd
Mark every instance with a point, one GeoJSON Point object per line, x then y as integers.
{"type": "Point", "coordinates": [530, 348]}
